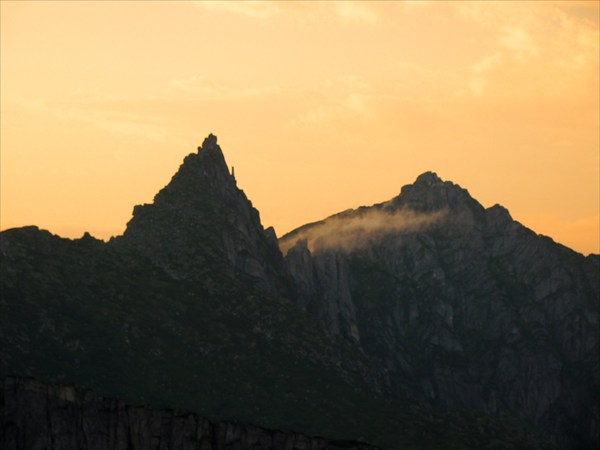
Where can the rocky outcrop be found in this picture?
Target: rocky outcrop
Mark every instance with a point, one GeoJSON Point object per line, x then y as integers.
{"type": "Point", "coordinates": [36, 416]}
{"type": "Point", "coordinates": [469, 309]}
{"type": "Point", "coordinates": [322, 287]}
{"type": "Point", "coordinates": [202, 223]}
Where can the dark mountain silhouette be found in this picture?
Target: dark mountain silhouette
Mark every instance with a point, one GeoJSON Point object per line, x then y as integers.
{"type": "Point", "coordinates": [201, 223]}
{"type": "Point", "coordinates": [423, 322]}
{"type": "Point", "coordinates": [463, 306]}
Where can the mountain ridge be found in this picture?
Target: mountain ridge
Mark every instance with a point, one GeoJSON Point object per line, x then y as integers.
{"type": "Point", "coordinates": [472, 273]}
{"type": "Point", "coordinates": [398, 321]}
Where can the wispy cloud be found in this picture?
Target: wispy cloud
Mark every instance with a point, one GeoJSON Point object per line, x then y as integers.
{"type": "Point", "coordinates": [349, 231]}
{"type": "Point", "coordinates": [214, 90]}
{"type": "Point", "coordinates": [520, 41]}
{"type": "Point", "coordinates": [526, 43]}
{"type": "Point", "coordinates": [344, 11]}
{"type": "Point", "coordinates": [254, 9]}
{"type": "Point", "coordinates": [355, 12]}
{"type": "Point", "coordinates": [349, 96]}
{"type": "Point", "coordinates": [478, 81]}
{"type": "Point", "coordinates": [416, 4]}
{"type": "Point", "coordinates": [107, 113]}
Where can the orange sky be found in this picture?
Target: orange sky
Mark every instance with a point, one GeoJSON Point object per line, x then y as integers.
{"type": "Point", "coordinates": [319, 106]}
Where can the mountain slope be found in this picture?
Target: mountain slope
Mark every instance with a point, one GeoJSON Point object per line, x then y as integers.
{"type": "Point", "coordinates": [177, 312]}
{"type": "Point", "coordinates": [194, 307]}
{"type": "Point", "coordinates": [462, 306]}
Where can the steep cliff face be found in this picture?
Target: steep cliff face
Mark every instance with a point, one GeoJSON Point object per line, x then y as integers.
{"type": "Point", "coordinates": [322, 287]}
{"type": "Point", "coordinates": [35, 416]}
{"type": "Point", "coordinates": [461, 305]}
{"type": "Point", "coordinates": [202, 223]}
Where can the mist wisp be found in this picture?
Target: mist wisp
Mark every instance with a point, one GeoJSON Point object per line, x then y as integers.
{"type": "Point", "coordinates": [349, 232]}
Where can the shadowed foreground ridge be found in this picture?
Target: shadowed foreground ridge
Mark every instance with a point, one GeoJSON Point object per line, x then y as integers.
{"type": "Point", "coordinates": [424, 322]}
{"type": "Point", "coordinates": [40, 416]}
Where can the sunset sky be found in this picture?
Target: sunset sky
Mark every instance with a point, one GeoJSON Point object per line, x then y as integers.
{"type": "Point", "coordinates": [320, 107]}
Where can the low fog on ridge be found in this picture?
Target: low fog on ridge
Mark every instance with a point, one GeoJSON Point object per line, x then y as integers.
{"type": "Point", "coordinates": [351, 230]}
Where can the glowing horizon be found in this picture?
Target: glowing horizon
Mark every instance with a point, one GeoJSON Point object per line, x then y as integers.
{"type": "Point", "coordinates": [321, 107]}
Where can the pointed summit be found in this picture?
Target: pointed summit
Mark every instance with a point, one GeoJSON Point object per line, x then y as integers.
{"type": "Point", "coordinates": [210, 149]}
{"type": "Point", "coordinates": [202, 176]}
{"type": "Point", "coordinates": [201, 221]}
{"type": "Point", "coordinates": [428, 179]}
{"type": "Point", "coordinates": [430, 193]}
{"type": "Point", "coordinates": [210, 142]}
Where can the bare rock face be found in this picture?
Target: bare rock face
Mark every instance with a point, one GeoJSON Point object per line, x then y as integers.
{"type": "Point", "coordinates": [322, 287]}
{"type": "Point", "coordinates": [462, 306]}
{"type": "Point", "coordinates": [202, 223]}
{"type": "Point", "coordinates": [36, 416]}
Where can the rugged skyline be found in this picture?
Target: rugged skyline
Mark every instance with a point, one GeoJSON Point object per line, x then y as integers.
{"type": "Point", "coordinates": [457, 325]}
{"type": "Point", "coordinates": [324, 107]}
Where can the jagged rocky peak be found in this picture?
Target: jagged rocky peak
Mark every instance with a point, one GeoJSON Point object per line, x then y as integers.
{"type": "Point", "coordinates": [467, 309]}
{"type": "Point", "coordinates": [88, 240]}
{"type": "Point", "coordinates": [202, 173]}
{"type": "Point", "coordinates": [430, 193]}
{"type": "Point", "coordinates": [210, 145]}
{"type": "Point", "coordinates": [201, 219]}
{"type": "Point", "coordinates": [428, 179]}
{"type": "Point", "coordinates": [210, 152]}
{"type": "Point", "coordinates": [499, 215]}
{"type": "Point", "coordinates": [202, 185]}
{"type": "Point", "coordinates": [209, 142]}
